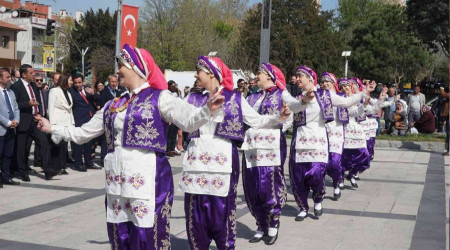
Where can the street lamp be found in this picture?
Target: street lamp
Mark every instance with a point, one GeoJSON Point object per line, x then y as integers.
{"type": "Point", "coordinates": [346, 54]}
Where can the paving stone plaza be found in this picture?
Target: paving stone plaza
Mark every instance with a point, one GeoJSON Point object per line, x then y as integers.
{"type": "Point", "coordinates": [401, 203]}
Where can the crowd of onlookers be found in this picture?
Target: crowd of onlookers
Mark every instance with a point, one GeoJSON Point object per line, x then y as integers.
{"type": "Point", "coordinates": [65, 100]}
{"type": "Point", "coordinates": [68, 100]}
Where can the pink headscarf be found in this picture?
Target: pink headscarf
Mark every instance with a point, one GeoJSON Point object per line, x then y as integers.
{"type": "Point", "coordinates": [142, 62]}
{"type": "Point", "coordinates": [281, 80]}
{"type": "Point", "coordinates": [217, 67]}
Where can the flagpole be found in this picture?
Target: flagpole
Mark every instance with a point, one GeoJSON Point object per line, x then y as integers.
{"type": "Point", "coordinates": [118, 30]}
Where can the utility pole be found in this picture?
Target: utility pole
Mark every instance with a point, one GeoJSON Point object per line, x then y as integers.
{"type": "Point", "coordinates": [264, 47]}
{"type": "Point", "coordinates": [83, 52]}
{"type": "Point", "coordinates": [55, 43]}
{"type": "Point", "coordinates": [118, 30]}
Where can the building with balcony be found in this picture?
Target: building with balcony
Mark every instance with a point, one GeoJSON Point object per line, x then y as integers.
{"type": "Point", "coordinates": [32, 18]}
{"type": "Point", "coordinates": [8, 48]}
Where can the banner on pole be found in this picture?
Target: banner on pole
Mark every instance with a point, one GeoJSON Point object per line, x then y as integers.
{"type": "Point", "coordinates": [49, 58]}
{"type": "Point", "coordinates": [129, 28]}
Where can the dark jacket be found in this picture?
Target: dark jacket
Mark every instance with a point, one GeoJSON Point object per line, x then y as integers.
{"type": "Point", "coordinates": [106, 95]}
{"type": "Point", "coordinates": [22, 98]}
{"type": "Point", "coordinates": [81, 110]}
{"type": "Point", "coordinates": [426, 123]}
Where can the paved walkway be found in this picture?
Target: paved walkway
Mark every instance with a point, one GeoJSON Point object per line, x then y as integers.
{"type": "Point", "coordinates": [401, 203]}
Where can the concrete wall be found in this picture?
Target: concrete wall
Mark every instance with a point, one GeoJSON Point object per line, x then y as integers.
{"type": "Point", "coordinates": [7, 53]}
{"type": "Point", "coordinates": [24, 38]}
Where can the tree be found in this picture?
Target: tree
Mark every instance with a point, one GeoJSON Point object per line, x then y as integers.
{"type": "Point", "coordinates": [384, 49]}
{"type": "Point", "coordinates": [299, 35]}
{"type": "Point", "coordinates": [96, 30]}
{"type": "Point", "coordinates": [176, 32]}
{"type": "Point", "coordinates": [430, 21]}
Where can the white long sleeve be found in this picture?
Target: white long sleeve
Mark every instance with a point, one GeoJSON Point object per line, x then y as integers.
{"type": "Point", "coordinates": [83, 134]}
{"type": "Point", "coordinates": [295, 104]}
{"type": "Point", "coordinates": [187, 117]}
{"type": "Point", "coordinates": [345, 102]}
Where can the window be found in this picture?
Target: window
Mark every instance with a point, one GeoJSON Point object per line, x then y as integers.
{"type": "Point", "coordinates": [5, 42]}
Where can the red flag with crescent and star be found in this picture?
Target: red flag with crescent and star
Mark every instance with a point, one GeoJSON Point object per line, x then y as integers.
{"type": "Point", "coordinates": [129, 27]}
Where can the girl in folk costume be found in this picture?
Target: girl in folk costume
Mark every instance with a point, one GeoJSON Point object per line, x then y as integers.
{"type": "Point", "coordinates": [211, 164]}
{"type": "Point", "coordinates": [335, 132]}
{"type": "Point", "coordinates": [265, 152]}
{"type": "Point", "coordinates": [355, 157]}
{"type": "Point", "coordinates": [139, 184]}
{"type": "Point", "coordinates": [309, 149]}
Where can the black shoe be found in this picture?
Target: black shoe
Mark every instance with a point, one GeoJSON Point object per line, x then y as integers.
{"type": "Point", "coordinates": [256, 239]}
{"type": "Point", "coordinates": [49, 176]}
{"type": "Point", "coordinates": [10, 182]}
{"type": "Point", "coordinates": [69, 160]}
{"type": "Point", "coordinates": [92, 166]}
{"type": "Point", "coordinates": [337, 196]}
{"type": "Point", "coordinates": [1, 185]}
{"type": "Point", "coordinates": [37, 164]}
{"type": "Point", "coordinates": [31, 171]}
{"type": "Point", "coordinates": [270, 240]}
{"type": "Point", "coordinates": [80, 168]}
{"type": "Point", "coordinates": [300, 218]}
{"type": "Point", "coordinates": [25, 178]}
{"type": "Point", "coordinates": [355, 185]}
{"type": "Point", "coordinates": [318, 212]}
{"type": "Point", "coordinates": [63, 172]}
{"type": "Point", "coordinates": [357, 178]}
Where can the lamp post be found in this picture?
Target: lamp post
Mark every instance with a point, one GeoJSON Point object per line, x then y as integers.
{"type": "Point", "coordinates": [118, 30]}
{"type": "Point", "coordinates": [264, 47]}
{"type": "Point", "coordinates": [346, 54]}
{"type": "Point", "coordinates": [83, 52]}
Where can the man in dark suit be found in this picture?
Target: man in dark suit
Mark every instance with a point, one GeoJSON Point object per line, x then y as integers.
{"type": "Point", "coordinates": [28, 99]}
{"type": "Point", "coordinates": [110, 92]}
{"type": "Point", "coordinates": [9, 120]}
{"type": "Point", "coordinates": [43, 94]}
{"type": "Point", "coordinates": [83, 110]}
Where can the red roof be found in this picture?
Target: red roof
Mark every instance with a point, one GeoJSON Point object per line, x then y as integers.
{"type": "Point", "coordinates": [10, 26]}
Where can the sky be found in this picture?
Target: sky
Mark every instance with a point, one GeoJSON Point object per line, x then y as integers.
{"type": "Point", "coordinates": [73, 5]}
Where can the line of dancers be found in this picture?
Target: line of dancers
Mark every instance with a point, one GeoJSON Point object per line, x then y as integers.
{"type": "Point", "coordinates": [333, 124]}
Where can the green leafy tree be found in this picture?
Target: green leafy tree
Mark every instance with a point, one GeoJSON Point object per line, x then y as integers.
{"type": "Point", "coordinates": [176, 32]}
{"type": "Point", "coordinates": [384, 49]}
{"type": "Point", "coordinates": [96, 30]}
{"type": "Point", "coordinates": [299, 35]}
{"type": "Point", "coordinates": [430, 21]}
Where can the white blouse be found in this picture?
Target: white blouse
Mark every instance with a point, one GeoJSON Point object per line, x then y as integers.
{"type": "Point", "coordinates": [130, 173]}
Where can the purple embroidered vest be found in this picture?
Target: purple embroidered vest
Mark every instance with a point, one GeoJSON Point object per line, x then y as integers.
{"type": "Point", "coordinates": [143, 128]}
{"type": "Point", "coordinates": [232, 126]}
{"type": "Point", "coordinates": [324, 100]}
{"type": "Point", "coordinates": [342, 113]}
{"type": "Point", "coordinates": [253, 98]}
{"type": "Point", "coordinates": [198, 100]}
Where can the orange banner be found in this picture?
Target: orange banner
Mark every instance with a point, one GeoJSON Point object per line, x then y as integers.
{"type": "Point", "coordinates": [129, 27]}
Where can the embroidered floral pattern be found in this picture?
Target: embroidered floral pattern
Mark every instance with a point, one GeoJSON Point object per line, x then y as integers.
{"type": "Point", "coordinates": [201, 180]}
{"type": "Point", "coordinates": [186, 179]}
{"type": "Point", "coordinates": [140, 210]}
{"type": "Point", "coordinates": [191, 158]}
{"type": "Point", "coordinates": [270, 138]}
{"type": "Point", "coordinates": [128, 206]}
{"type": "Point", "coordinates": [119, 179]}
{"type": "Point", "coordinates": [258, 138]}
{"type": "Point", "coordinates": [221, 159]}
{"type": "Point", "coordinates": [312, 140]}
{"type": "Point", "coordinates": [136, 180]}
{"type": "Point", "coordinates": [271, 156]}
{"type": "Point", "coordinates": [146, 131]}
{"type": "Point", "coordinates": [205, 158]}
{"type": "Point", "coordinates": [109, 178]}
{"type": "Point", "coordinates": [218, 183]}
{"type": "Point", "coordinates": [116, 207]}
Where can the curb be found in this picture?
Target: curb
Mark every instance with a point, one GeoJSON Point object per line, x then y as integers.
{"type": "Point", "coordinates": [416, 145]}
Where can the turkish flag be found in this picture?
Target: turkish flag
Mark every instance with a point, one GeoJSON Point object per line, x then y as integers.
{"type": "Point", "coordinates": [129, 27]}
